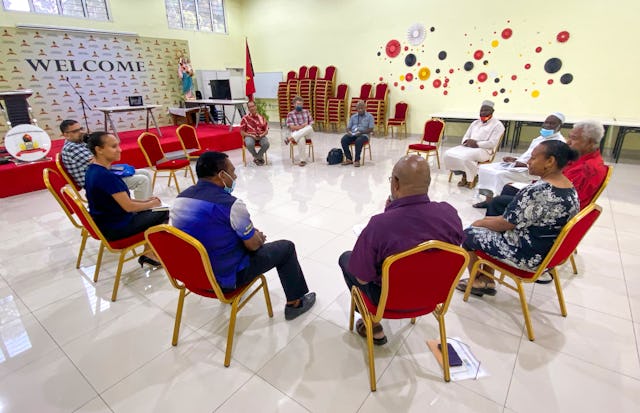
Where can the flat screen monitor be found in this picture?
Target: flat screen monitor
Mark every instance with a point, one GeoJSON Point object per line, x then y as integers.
{"type": "Point", "coordinates": [220, 89]}
{"type": "Point", "coordinates": [135, 101]}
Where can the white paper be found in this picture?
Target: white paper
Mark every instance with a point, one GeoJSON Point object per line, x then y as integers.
{"type": "Point", "coordinates": [471, 367]}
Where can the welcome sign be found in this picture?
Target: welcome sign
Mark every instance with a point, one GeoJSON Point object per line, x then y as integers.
{"type": "Point", "coordinates": [105, 70]}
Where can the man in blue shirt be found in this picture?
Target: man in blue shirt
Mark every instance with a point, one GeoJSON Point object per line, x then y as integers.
{"type": "Point", "coordinates": [237, 250]}
{"type": "Point", "coordinates": [358, 130]}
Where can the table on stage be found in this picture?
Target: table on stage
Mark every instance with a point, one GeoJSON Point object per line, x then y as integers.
{"type": "Point", "coordinates": [108, 110]}
{"type": "Point", "coordinates": [238, 105]}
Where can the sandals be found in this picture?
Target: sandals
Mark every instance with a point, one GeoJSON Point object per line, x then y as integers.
{"type": "Point", "coordinates": [347, 162]}
{"type": "Point", "coordinates": [477, 291]}
{"type": "Point", "coordinates": [362, 331]}
{"type": "Point", "coordinates": [302, 163]}
{"type": "Point", "coordinates": [544, 278]}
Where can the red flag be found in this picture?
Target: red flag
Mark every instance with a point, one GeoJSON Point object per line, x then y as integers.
{"type": "Point", "coordinates": [250, 87]}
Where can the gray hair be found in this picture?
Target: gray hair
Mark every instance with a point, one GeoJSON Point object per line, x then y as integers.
{"type": "Point", "coordinates": [590, 129]}
{"type": "Point", "coordinates": [361, 103]}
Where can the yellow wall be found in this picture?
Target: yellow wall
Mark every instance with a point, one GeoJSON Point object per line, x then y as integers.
{"type": "Point", "coordinates": [148, 18]}
{"type": "Point", "coordinates": [599, 54]}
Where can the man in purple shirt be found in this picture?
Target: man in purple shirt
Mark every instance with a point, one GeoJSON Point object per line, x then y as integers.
{"type": "Point", "coordinates": [409, 219]}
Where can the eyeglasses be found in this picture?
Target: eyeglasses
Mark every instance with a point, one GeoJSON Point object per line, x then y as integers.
{"type": "Point", "coordinates": [76, 130]}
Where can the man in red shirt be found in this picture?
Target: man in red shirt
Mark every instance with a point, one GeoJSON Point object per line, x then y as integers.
{"type": "Point", "coordinates": [254, 129]}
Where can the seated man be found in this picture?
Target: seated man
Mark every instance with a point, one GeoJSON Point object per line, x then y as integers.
{"type": "Point", "coordinates": [587, 173]}
{"type": "Point", "coordinates": [409, 219]}
{"type": "Point", "coordinates": [76, 158]}
{"type": "Point", "coordinates": [493, 177]}
{"type": "Point", "coordinates": [478, 144]}
{"type": "Point", "coordinates": [238, 251]}
{"type": "Point", "coordinates": [254, 128]}
{"type": "Point", "coordinates": [299, 122]}
{"type": "Point", "coordinates": [358, 130]}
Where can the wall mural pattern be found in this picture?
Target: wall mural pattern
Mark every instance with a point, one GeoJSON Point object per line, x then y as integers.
{"type": "Point", "coordinates": [105, 69]}
{"type": "Point", "coordinates": [418, 62]}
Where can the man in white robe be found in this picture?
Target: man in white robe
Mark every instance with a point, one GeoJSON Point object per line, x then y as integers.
{"type": "Point", "coordinates": [478, 144]}
{"type": "Point", "coordinates": [493, 177]}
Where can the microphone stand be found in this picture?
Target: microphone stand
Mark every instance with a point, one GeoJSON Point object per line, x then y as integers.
{"type": "Point", "coordinates": [83, 102]}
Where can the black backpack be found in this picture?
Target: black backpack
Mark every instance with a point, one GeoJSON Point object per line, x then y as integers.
{"type": "Point", "coordinates": [335, 156]}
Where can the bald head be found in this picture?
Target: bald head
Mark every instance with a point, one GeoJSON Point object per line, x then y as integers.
{"type": "Point", "coordinates": [410, 176]}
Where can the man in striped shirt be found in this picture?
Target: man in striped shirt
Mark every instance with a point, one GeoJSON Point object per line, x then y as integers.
{"type": "Point", "coordinates": [254, 130]}
{"type": "Point", "coordinates": [299, 122]}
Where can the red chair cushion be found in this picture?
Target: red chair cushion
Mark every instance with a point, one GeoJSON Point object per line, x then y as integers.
{"type": "Point", "coordinates": [516, 271]}
{"type": "Point", "coordinates": [197, 152]}
{"type": "Point", "coordinates": [174, 164]}
{"type": "Point", "coordinates": [127, 242]}
{"type": "Point", "coordinates": [395, 121]}
{"type": "Point", "coordinates": [422, 147]}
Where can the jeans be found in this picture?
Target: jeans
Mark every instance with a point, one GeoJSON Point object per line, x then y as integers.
{"type": "Point", "coordinates": [359, 140]}
{"type": "Point", "coordinates": [250, 143]}
{"type": "Point", "coordinates": [281, 255]}
{"type": "Point", "coordinates": [371, 290]}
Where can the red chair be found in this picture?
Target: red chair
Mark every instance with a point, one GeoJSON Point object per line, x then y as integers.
{"type": "Point", "coordinates": [336, 106]}
{"type": "Point", "coordinates": [291, 75]}
{"type": "Point", "coordinates": [302, 72]}
{"type": "Point", "coordinates": [188, 267]}
{"type": "Point", "coordinates": [67, 177]}
{"type": "Point", "coordinates": [122, 246]}
{"type": "Point", "coordinates": [330, 74]}
{"type": "Point", "coordinates": [430, 142]}
{"type": "Point", "coordinates": [188, 138]}
{"type": "Point", "coordinates": [399, 118]}
{"type": "Point", "coordinates": [414, 283]}
{"type": "Point", "coordinates": [312, 73]}
{"type": "Point", "coordinates": [54, 183]}
{"type": "Point", "coordinates": [153, 153]}
{"type": "Point", "coordinates": [567, 241]}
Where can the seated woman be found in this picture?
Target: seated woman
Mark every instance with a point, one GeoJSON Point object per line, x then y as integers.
{"type": "Point", "coordinates": [525, 233]}
{"type": "Point", "coordinates": [114, 212]}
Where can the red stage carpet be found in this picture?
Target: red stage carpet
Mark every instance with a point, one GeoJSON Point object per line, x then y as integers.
{"type": "Point", "coordinates": [19, 179]}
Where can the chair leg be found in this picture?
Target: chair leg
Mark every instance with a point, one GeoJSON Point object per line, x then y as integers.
{"type": "Point", "coordinates": [83, 243]}
{"type": "Point", "coordinates": [98, 263]}
{"type": "Point", "coordinates": [175, 179]}
{"type": "Point", "coordinates": [232, 327]}
{"type": "Point", "coordinates": [472, 277]}
{"type": "Point", "coordinates": [450, 175]}
{"type": "Point", "coordinates": [244, 156]}
{"type": "Point", "coordinates": [176, 325]}
{"type": "Point", "coordinates": [443, 347]}
{"type": "Point", "coordinates": [525, 311]}
{"type": "Point", "coordinates": [153, 181]}
{"type": "Point", "coordinates": [413, 320]}
{"type": "Point", "coordinates": [438, 159]}
{"type": "Point", "coordinates": [267, 297]}
{"type": "Point", "coordinates": [573, 264]}
{"type": "Point", "coordinates": [116, 282]}
{"type": "Point", "coordinates": [352, 313]}
{"type": "Point", "coordinates": [372, 363]}
{"type": "Point", "coordinates": [556, 281]}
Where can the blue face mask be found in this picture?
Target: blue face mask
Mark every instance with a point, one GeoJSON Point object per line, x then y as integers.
{"type": "Point", "coordinates": [233, 184]}
{"type": "Point", "coordinates": [299, 108]}
{"type": "Point", "coordinates": [545, 133]}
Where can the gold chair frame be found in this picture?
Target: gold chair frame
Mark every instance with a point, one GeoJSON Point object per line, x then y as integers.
{"type": "Point", "coordinates": [437, 145]}
{"type": "Point", "coordinates": [479, 267]}
{"type": "Point", "coordinates": [358, 302]}
{"type": "Point", "coordinates": [172, 172]}
{"type": "Point", "coordinates": [237, 303]}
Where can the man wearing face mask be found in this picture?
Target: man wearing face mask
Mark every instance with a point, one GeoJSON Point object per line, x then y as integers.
{"type": "Point", "coordinates": [478, 144]}
{"type": "Point", "coordinates": [238, 251]}
{"type": "Point", "coordinates": [409, 219]}
{"type": "Point", "coordinates": [358, 130]}
{"type": "Point", "coordinates": [493, 177]}
{"type": "Point", "coordinates": [299, 121]}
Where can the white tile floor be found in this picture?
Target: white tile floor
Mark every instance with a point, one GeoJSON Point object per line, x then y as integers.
{"type": "Point", "coordinates": [64, 346]}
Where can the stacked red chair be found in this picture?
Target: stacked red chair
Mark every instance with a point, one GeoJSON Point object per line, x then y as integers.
{"type": "Point", "coordinates": [336, 107]}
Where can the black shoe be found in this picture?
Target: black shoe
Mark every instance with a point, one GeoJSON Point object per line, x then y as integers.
{"type": "Point", "coordinates": [462, 286]}
{"type": "Point", "coordinates": [143, 259]}
{"type": "Point", "coordinates": [545, 278]}
{"type": "Point", "coordinates": [306, 302]}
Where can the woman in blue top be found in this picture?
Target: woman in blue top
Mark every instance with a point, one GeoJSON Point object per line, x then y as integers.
{"type": "Point", "coordinates": [525, 233]}
{"type": "Point", "coordinates": [114, 212]}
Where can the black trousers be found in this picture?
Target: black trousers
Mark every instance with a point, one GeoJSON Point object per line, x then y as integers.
{"type": "Point", "coordinates": [281, 255]}
{"type": "Point", "coordinates": [371, 290]}
{"type": "Point", "coordinates": [499, 204]}
{"type": "Point", "coordinates": [141, 221]}
{"type": "Point", "coordinates": [348, 140]}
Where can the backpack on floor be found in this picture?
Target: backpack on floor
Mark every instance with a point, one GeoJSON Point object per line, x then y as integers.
{"type": "Point", "coordinates": [335, 156]}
